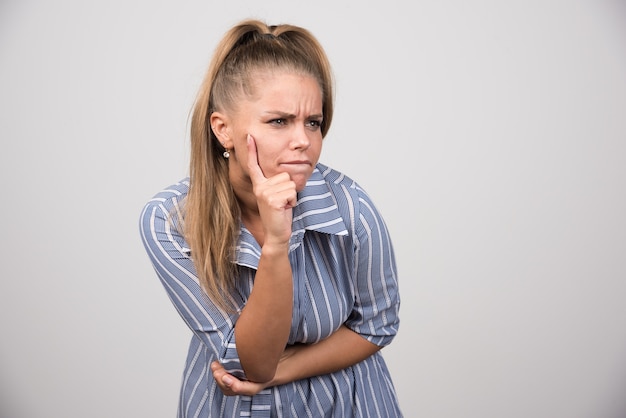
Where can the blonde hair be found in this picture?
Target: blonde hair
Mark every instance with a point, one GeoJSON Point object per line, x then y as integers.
{"type": "Point", "coordinates": [212, 214]}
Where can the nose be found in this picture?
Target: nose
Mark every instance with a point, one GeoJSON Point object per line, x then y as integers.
{"type": "Point", "coordinates": [300, 139]}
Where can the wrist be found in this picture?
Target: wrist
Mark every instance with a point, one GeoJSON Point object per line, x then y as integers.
{"type": "Point", "coordinates": [275, 248]}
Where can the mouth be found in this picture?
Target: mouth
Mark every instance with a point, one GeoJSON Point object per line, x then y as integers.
{"type": "Point", "coordinates": [296, 163]}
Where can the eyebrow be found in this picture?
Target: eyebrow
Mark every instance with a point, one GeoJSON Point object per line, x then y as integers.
{"type": "Point", "coordinates": [285, 115]}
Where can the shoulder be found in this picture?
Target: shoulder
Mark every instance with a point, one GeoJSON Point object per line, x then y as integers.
{"type": "Point", "coordinates": [352, 200]}
{"type": "Point", "coordinates": [167, 201]}
{"type": "Point", "coordinates": [334, 177]}
{"type": "Point", "coordinates": [343, 187]}
{"type": "Point", "coordinates": [338, 182]}
{"type": "Point", "coordinates": [171, 194]}
{"type": "Point", "coordinates": [173, 191]}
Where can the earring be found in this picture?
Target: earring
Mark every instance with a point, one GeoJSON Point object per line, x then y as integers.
{"type": "Point", "coordinates": [226, 154]}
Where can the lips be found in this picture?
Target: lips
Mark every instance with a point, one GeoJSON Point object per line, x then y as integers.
{"type": "Point", "coordinates": [297, 162]}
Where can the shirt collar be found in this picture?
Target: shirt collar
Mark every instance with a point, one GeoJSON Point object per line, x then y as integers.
{"type": "Point", "coordinates": [316, 210]}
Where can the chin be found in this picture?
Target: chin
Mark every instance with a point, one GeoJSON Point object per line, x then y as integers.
{"type": "Point", "coordinates": [300, 182]}
{"type": "Point", "coordinates": [300, 185]}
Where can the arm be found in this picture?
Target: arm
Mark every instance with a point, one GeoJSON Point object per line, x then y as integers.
{"type": "Point", "coordinates": [372, 324]}
{"type": "Point", "coordinates": [341, 350]}
{"type": "Point", "coordinates": [263, 328]}
{"type": "Point", "coordinates": [375, 315]}
{"type": "Point", "coordinates": [171, 259]}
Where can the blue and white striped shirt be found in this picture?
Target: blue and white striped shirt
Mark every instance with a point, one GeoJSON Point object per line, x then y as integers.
{"type": "Point", "coordinates": [344, 272]}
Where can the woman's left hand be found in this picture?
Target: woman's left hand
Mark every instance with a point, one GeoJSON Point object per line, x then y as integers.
{"type": "Point", "coordinates": [232, 386]}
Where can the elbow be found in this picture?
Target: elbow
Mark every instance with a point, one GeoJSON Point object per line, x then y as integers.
{"type": "Point", "coordinates": [261, 374]}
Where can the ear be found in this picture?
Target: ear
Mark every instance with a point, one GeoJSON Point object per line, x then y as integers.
{"type": "Point", "coordinates": [220, 127]}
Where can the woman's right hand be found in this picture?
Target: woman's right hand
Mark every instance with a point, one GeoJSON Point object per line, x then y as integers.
{"type": "Point", "coordinates": [276, 196]}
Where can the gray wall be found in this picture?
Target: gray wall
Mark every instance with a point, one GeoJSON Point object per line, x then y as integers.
{"type": "Point", "coordinates": [492, 136]}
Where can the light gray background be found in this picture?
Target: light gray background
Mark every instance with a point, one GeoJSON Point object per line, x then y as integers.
{"type": "Point", "coordinates": [491, 134]}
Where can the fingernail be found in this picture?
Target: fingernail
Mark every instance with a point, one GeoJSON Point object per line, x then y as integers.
{"type": "Point", "coordinates": [227, 380]}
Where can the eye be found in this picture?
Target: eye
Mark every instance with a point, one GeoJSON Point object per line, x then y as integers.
{"type": "Point", "coordinates": [314, 124]}
{"type": "Point", "coordinates": [277, 121]}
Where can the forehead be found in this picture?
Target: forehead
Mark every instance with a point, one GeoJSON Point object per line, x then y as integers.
{"type": "Point", "coordinates": [284, 88]}
{"type": "Point", "coordinates": [267, 80]}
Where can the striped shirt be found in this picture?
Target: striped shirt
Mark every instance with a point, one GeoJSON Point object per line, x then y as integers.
{"type": "Point", "coordinates": [344, 273]}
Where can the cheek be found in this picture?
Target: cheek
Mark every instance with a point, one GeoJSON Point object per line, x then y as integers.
{"type": "Point", "coordinates": [316, 148]}
{"type": "Point", "coordinates": [267, 156]}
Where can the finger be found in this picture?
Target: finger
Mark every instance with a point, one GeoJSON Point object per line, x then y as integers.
{"type": "Point", "coordinates": [286, 194]}
{"type": "Point", "coordinates": [217, 369]}
{"type": "Point", "coordinates": [228, 381]}
{"type": "Point", "coordinates": [223, 382]}
{"type": "Point", "coordinates": [233, 386]}
{"type": "Point", "coordinates": [256, 174]}
{"type": "Point", "coordinates": [218, 372]}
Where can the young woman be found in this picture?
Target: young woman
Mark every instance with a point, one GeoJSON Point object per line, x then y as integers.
{"type": "Point", "coordinates": [281, 266]}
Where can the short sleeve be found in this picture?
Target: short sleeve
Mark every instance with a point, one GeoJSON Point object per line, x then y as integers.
{"type": "Point", "coordinates": [160, 224]}
{"type": "Point", "coordinates": [377, 300]}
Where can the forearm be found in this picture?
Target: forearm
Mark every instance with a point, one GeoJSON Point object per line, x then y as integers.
{"type": "Point", "coordinates": [342, 349]}
{"type": "Point", "coordinates": [263, 328]}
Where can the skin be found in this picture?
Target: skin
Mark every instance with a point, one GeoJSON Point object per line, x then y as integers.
{"type": "Point", "coordinates": [275, 142]}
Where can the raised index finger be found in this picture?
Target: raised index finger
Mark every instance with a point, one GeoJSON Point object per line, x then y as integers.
{"type": "Point", "coordinates": [256, 174]}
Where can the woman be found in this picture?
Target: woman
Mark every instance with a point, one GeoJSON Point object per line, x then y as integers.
{"type": "Point", "coordinates": [282, 267]}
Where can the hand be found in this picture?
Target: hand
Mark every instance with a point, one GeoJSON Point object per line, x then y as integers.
{"type": "Point", "coordinates": [276, 196]}
{"type": "Point", "coordinates": [230, 385]}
